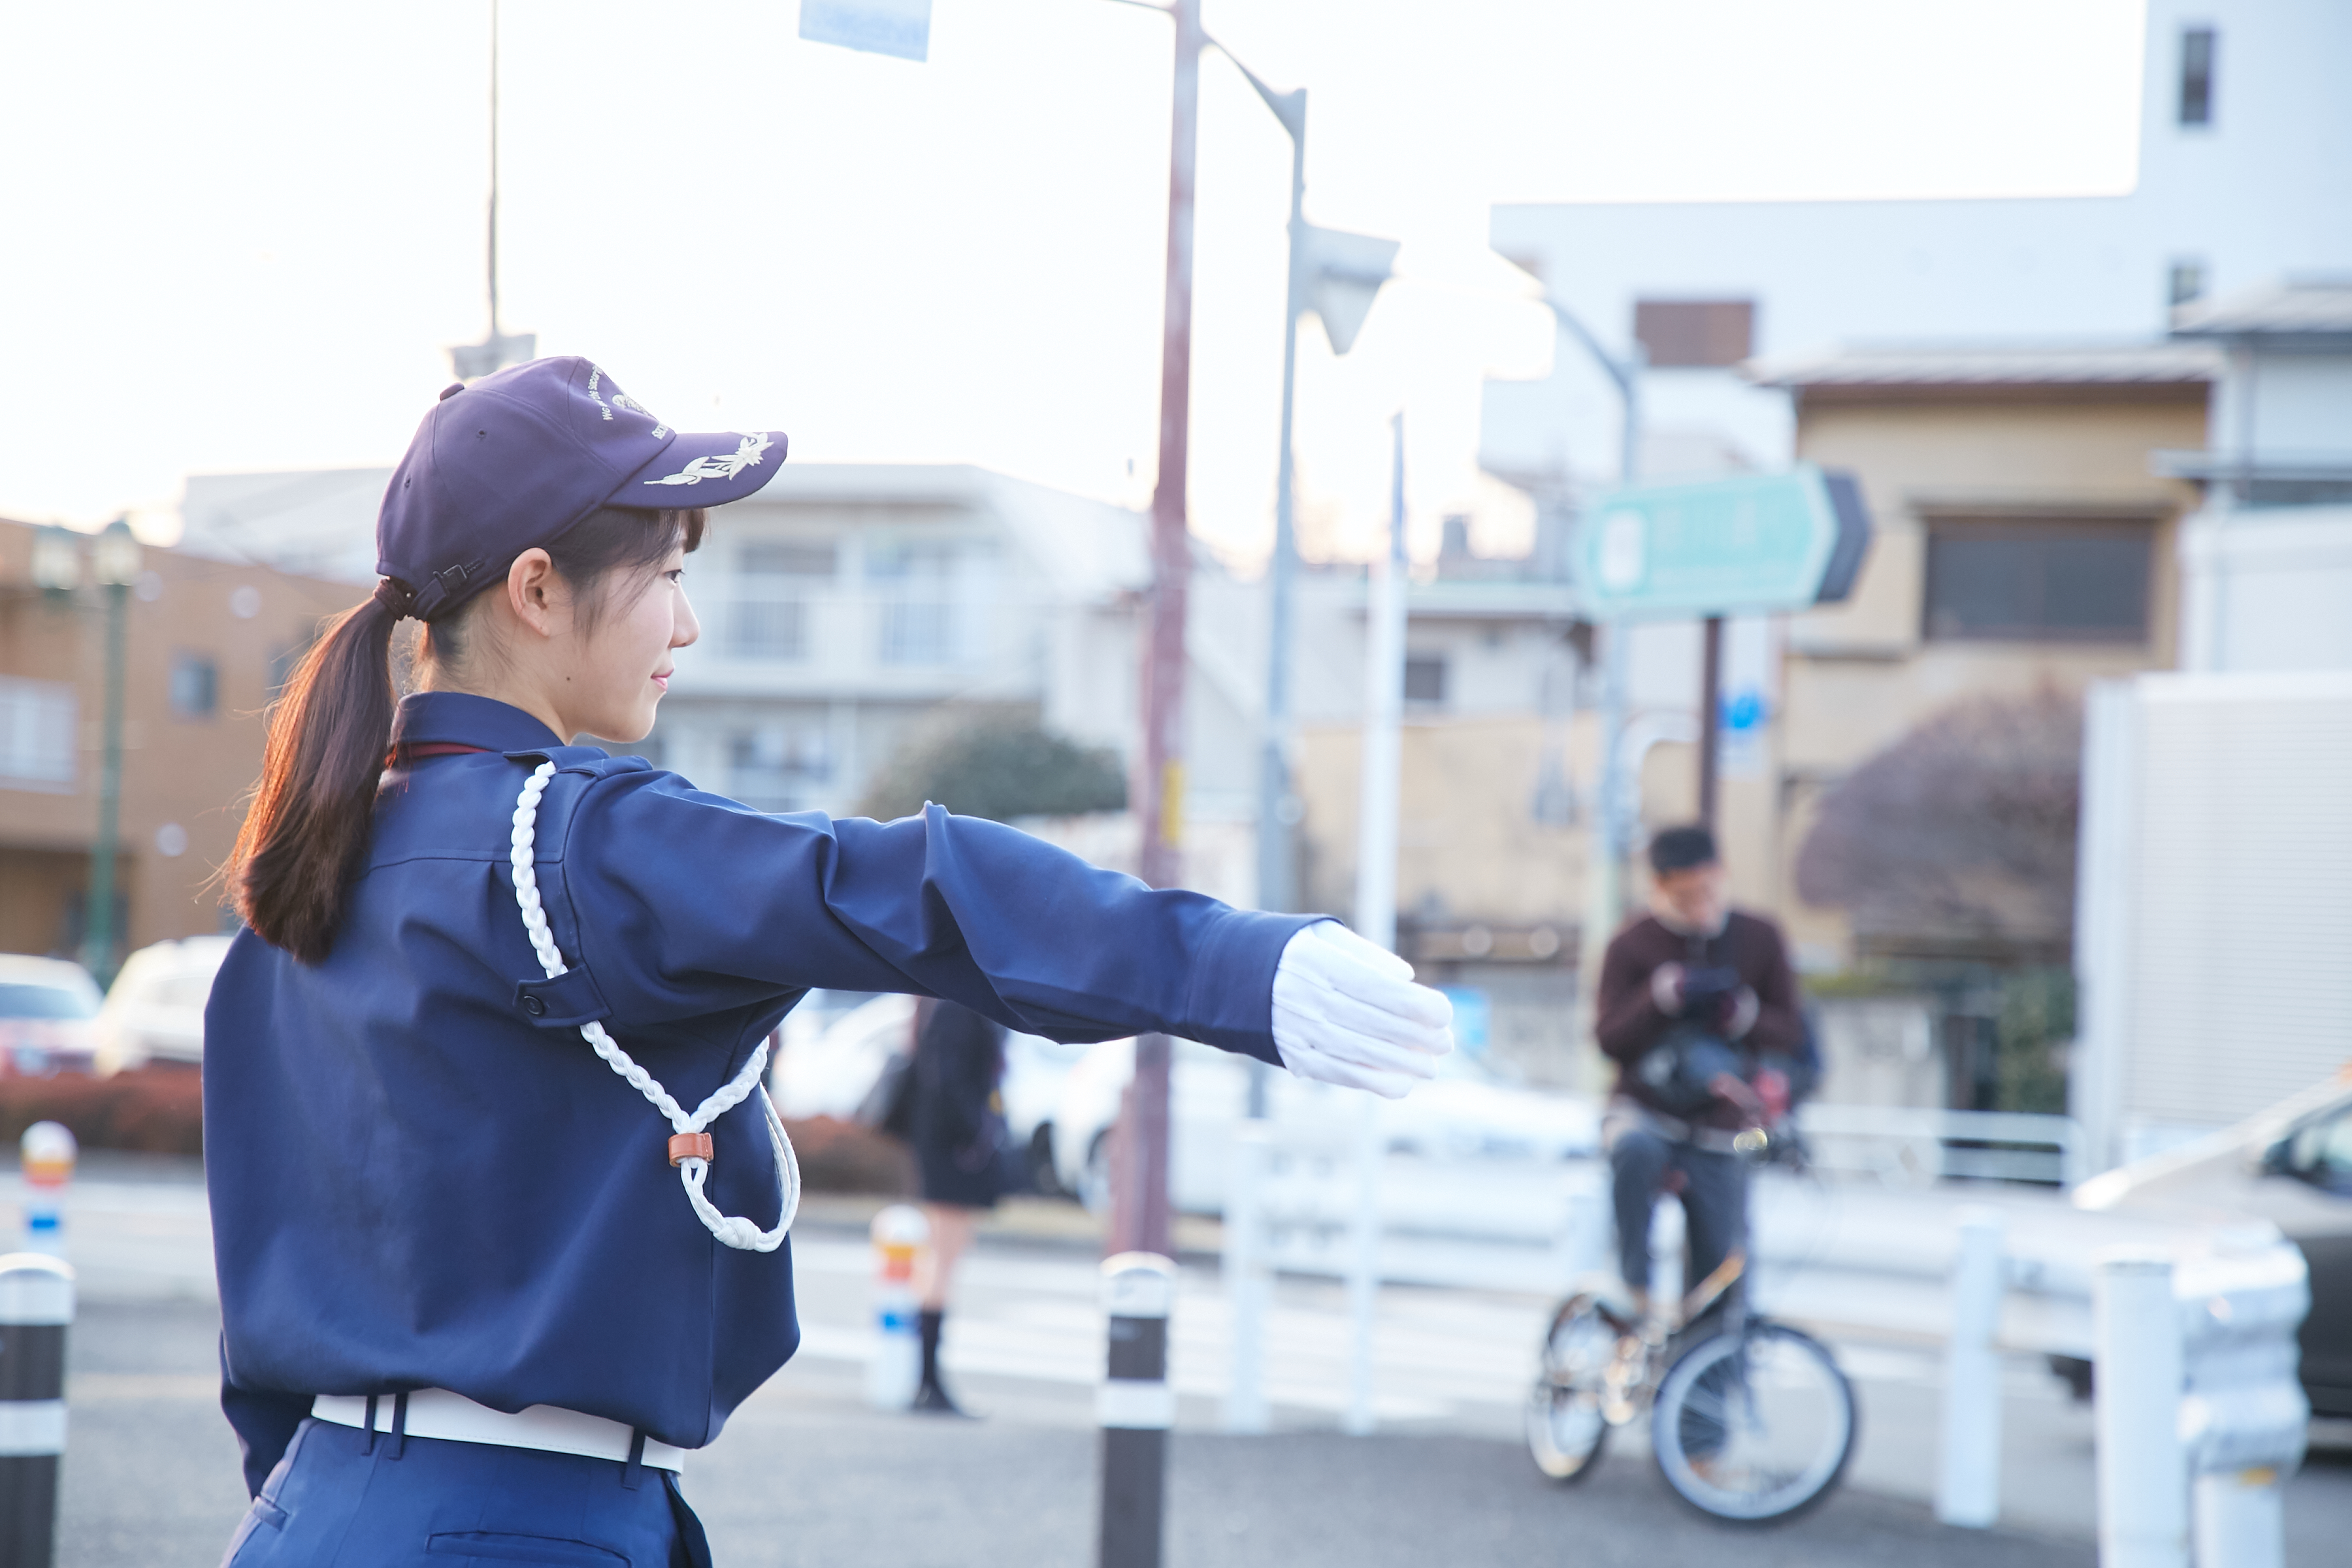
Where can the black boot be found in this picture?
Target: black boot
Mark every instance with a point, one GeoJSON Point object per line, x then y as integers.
{"type": "Point", "coordinates": [931, 1399]}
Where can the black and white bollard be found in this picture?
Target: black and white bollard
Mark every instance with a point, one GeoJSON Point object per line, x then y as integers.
{"type": "Point", "coordinates": [36, 1303]}
{"type": "Point", "coordinates": [1136, 1407]}
{"type": "Point", "coordinates": [48, 1151]}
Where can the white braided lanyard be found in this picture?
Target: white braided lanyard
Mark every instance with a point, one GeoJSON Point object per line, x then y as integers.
{"type": "Point", "coordinates": [691, 1150]}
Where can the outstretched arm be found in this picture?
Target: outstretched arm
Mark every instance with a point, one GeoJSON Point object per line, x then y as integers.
{"type": "Point", "coordinates": [690, 899]}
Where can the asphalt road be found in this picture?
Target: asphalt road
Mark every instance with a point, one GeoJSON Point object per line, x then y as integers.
{"type": "Point", "coordinates": [806, 1475]}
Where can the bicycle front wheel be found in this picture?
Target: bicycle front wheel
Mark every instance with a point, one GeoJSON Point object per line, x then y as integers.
{"type": "Point", "coordinates": [1754, 1426]}
{"type": "Point", "coordinates": [1566, 1427]}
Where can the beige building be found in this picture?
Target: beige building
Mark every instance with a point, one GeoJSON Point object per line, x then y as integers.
{"type": "Point", "coordinates": [207, 643]}
{"type": "Point", "coordinates": [2024, 542]}
{"type": "Point", "coordinates": [1490, 851]}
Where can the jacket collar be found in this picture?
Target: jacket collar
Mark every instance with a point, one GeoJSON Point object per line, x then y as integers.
{"type": "Point", "coordinates": [1662, 912]}
{"type": "Point", "coordinates": [462, 719]}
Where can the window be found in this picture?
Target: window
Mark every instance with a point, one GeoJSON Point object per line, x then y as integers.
{"type": "Point", "coordinates": [196, 685]}
{"type": "Point", "coordinates": [1680, 334]}
{"type": "Point", "coordinates": [774, 580]}
{"type": "Point", "coordinates": [799, 558]}
{"type": "Point", "coordinates": [915, 599]}
{"type": "Point", "coordinates": [2196, 76]}
{"type": "Point", "coordinates": [23, 999]}
{"type": "Point", "coordinates": [39, 721]}
{"type": "Point", "coordinates": [1424, 678]}
{"type": "Point", "coordinates": [2023, 581]}
{"type": "Point", "coordinates": [2187, 282]}
{"type": "Point", "coordinates": [282, 660]}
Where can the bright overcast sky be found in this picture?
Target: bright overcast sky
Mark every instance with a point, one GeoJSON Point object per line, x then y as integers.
{"type": "Point", "coordinates": [242, 234]}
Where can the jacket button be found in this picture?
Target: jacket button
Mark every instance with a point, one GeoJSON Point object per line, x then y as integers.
{"type": "Point", "coordinates": [533, 1006]}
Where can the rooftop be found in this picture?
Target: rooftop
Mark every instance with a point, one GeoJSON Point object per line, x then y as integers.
{"type": "Point", "coordinates": [2314, 312]}
{"type": "Point", "coordinates": [1875, 371]}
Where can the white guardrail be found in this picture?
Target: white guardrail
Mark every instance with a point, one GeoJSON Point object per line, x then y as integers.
{"type": "Point", "coordinates": [1900, 1147]}
{"type": "Point", "coordinates": [1983, 1269]}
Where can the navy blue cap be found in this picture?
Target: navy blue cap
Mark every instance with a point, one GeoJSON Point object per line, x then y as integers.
{"type": "Point", "coordinates": [515, 459]}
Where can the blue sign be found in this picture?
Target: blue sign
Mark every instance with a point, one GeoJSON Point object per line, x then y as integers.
{"type": "Point", "coordinates": [1754, 543]}
{"type": "Point", "coordinates": [1474, 1016]}
{"type": "Point", "coordinates": [900, 28]}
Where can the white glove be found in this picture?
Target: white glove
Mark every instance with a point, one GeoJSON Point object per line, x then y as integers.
{"type": "Point", "coordinates": [1347, 1012]}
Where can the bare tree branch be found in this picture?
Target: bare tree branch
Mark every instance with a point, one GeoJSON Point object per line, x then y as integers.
{"type": "Point", "coordinates": [1962, 829]}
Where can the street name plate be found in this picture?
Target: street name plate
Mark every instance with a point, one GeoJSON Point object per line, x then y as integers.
{"type": "Point", "coordinates": [1755, 543]}
{"type": "Point", "coordinates": [901, 29]}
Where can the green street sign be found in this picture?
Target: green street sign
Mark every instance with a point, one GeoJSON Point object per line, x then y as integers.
{"type": "Point", "coordinates": [1720, 547]}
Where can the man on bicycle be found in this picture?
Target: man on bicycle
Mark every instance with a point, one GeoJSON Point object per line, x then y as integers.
{"type": "Point", "coordinates": [1690, 995]}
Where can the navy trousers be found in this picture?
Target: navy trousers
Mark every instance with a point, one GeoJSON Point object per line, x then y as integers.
{"type": "Point", "coordinates": [337, 1500]}
{"type": "Point", "coordinates": [1713, 1198]}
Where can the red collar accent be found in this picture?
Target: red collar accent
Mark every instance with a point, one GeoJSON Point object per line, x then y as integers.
{"type": "Point", "coordinates": [409, 751]}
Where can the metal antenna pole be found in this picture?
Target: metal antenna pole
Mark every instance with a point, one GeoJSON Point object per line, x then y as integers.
{"type": "Point", "coordinates": [1140, 1213]}
{"type": "Point", "coordinates": [494, 171]}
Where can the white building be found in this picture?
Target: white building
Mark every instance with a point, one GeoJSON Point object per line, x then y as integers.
{"type": "Point", "coordinates": [845, 603]}
{"type": "Point", "coordinates": [2266, 566]}
{"type": "Point", "coordinates": [2245, 138]}
{"type": "Point", "coordinates": [2212, 799]}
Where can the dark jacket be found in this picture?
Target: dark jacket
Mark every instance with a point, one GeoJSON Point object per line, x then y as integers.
{"type": "Point", "coordinates": [1627, 1021]}
{"type": "Point", "coordinates": [958, 1121]}
{"type": "Point", "coordinates": [420, 1173]}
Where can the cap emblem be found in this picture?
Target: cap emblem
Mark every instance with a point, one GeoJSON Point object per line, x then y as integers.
{"type": "Point", "coordinates": [745, 456]}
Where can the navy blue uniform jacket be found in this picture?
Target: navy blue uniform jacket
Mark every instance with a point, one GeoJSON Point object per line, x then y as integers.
{"type": "Point", "coordinates": [422, 1176]}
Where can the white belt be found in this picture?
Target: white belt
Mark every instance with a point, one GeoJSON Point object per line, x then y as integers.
{"type": "Point", "coordinates": [437, 1412]}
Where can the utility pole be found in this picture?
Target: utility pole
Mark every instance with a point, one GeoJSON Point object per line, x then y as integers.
{"type": "Point", "coordinates": [1140, 1211]}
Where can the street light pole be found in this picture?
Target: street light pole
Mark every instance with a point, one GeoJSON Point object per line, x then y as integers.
{"type": "Point", "coordinates": [1339, 274]}
{"type": "Point", "coordinates": [1604, 895]}
{"type": "Point", "coordinates": [1140, 1220]}
{"type": "Point", "coordinates": [116, 562]}
{"type": "Point", "coordinates": [1274, 804]}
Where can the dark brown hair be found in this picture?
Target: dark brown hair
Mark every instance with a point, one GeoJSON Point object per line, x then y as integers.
{"type": "Point", "coordinates": [306, 832]}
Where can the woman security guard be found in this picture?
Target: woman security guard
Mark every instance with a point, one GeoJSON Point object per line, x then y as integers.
{"type": "Point", "coordinates": [493, 1251]}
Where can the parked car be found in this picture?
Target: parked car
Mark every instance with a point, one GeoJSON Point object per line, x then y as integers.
{"type": "Point", "coordinates": [48, 1014]}
{"type": "Point", "coordinates": [2292, 1166]}
{"type": "Point", "coordinates": [1469, 1111]}
{"type": "Point", "coordinates": [154, 1011]}
{"type": "Point", "coordinates": [831, 1056]}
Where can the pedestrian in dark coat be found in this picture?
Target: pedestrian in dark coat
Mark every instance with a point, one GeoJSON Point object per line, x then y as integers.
{"type": "Point", "coordinates": [958, 1115]}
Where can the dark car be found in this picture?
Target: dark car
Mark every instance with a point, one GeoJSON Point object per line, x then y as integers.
{"type": "Point", "coordinates": [2292, 1166]}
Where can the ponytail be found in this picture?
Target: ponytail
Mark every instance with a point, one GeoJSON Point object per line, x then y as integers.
{"type": "Point", "coordinates": [306, 835]}
{"type": "Point", "coordinates": [308, 828]}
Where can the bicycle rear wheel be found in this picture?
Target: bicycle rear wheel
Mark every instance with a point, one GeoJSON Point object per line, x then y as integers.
{"type": "Point", "coordinates": [1755, 1424]}
{"type": "Point", "coordinates": [1564, 1424]}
